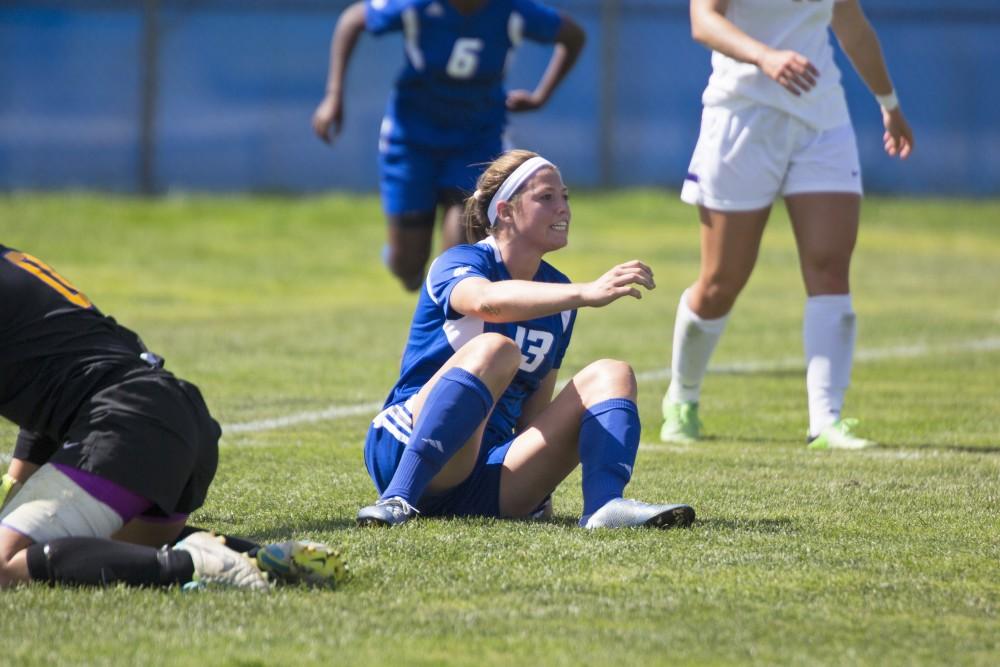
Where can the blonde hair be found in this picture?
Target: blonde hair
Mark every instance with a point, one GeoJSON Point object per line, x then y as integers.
{"type": "Point", "coordinates": [475, 218]}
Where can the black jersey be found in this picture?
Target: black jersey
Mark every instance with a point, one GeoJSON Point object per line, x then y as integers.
{"type": "Point", "coordinates": [56, 347]}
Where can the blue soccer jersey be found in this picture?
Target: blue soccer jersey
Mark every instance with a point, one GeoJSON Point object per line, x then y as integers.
{"type": "Point", "coordinates": [438, 331]}
{"type": "Point", "coordinates": [450, 93]}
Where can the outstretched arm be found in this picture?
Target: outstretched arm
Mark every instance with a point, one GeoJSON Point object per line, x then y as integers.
{"type": "Point", "coordinates": [709, 26]}
{"type": "Point", "coordinates": [517, 300]}
{"type": "Point", "coordinates": [858, 40]}
{"type": "Point", "coordinates": [569, 43]}
{"type": "Point", "coordinates": [330, 112]}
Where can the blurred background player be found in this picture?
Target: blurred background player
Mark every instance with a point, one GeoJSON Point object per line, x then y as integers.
{"type": "Point", "coordinates": [471, 427]}
{"type": "Point", "coordinates": [775, 123]}
{"type": "Point", "coordinates": [446, 116]}
{"type": "Point", "coordinates": [111, 446]}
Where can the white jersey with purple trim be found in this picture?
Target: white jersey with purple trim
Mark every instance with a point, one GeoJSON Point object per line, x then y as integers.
{"type": "Point", "coordinates": [796, 25]}
{"type": "Point", "coordinates": [438, 331]}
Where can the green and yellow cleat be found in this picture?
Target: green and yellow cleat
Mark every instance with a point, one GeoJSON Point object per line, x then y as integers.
{"type": "Point", "coordinates": [303, 562]}
{"type": "Point", "coordinates": [680, 422]}
{"type": "Point", "coordinates": [840, 435]}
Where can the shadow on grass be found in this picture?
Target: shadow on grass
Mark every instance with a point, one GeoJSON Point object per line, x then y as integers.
{"type": "Point", "coordinates": [305, 529]}
{"type": "Point", "coordinates": [769, 526]}
{"type": "Point", "coordinates": [762, 372]}
{"type": "Point", "coordinates": [748, 440]}
{"type": "Point", "coordinates": [988, 450]}
{"type": "Point", "coordinates": [783, 525]}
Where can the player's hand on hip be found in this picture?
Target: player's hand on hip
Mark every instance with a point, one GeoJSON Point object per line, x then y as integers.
{"type": "Point", "coordinates": [791, 70]}
{"type": "Point", "coordinates": [898, 137]}
{"type": "Point", "coordinates": [620, 281]}
{"type": "Point", "coordinates": [523, 100]}
{"type": "Point", "coordinates": [328, 115]}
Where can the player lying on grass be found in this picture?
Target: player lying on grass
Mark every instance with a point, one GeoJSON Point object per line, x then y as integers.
{"type": "Point", "coordinates": [111, 446]}
{"type": "Point", "coordinates": [471, 427]}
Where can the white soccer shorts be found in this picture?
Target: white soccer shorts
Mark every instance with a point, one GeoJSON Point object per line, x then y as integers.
{"type": "Point", "coordinates": [746, 158]}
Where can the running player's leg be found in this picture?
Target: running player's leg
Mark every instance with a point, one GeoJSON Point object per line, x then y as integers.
{"type": "Point", "coordinates": [408, 247]}
{"type": "Point", "coordinates": [409, 199]}
{"type": "Point", "coordinates": [452, 224]}
{"type": "Point", "coordinates": [594, 422]}
{"type": "Point", "coordinates": [456, 181]}
{"type": "Point", "coordinates": [449, 415]}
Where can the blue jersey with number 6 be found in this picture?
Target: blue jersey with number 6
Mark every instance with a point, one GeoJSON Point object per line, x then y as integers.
{"type": "Point", "coordinates": [438, 331]}
{"type": "Point", "coordinates": [450, 93]}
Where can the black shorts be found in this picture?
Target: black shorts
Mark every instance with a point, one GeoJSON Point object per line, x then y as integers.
{"type": "Point", "coordinates": [151, 433]}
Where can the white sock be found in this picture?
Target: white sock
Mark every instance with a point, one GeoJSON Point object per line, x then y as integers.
{"type": "Point", "coordinates": [828, 332]}
{"type": "Point", "coordinates": [695, 339]}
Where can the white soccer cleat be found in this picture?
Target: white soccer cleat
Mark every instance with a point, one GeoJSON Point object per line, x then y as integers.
{"type": "Point", "coordinates": [216, 565]}
{"type": "Point", "coordinates": [622, 513]}
{"type": "Point", "coordinates": [387, 512]}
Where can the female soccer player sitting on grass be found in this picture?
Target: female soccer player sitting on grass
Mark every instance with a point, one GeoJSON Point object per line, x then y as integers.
{"type": "Point", "coordinates": [471, 428]}
{"type": "Point", "coordinates": [111, 446]}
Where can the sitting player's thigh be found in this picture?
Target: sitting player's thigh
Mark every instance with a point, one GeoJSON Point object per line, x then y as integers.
{"type": "Point", "coordinates": [542, 455]}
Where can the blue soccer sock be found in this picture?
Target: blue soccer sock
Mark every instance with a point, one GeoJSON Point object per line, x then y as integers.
{"type": "Point", "coordinates": [454, 409]}
{"type": "Point", "coordinates": [609, 440]}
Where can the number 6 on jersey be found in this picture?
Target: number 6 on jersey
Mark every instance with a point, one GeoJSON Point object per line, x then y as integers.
{"type": "Point", "coordinates": [464, 57]}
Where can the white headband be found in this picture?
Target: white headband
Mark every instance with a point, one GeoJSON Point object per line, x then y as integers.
{"type": "Point", "coordinates": [510, 186]}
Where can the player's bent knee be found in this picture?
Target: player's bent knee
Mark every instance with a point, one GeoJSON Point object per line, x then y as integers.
{"type": "Point", "coordinates": [496, 351]}
{"type": "Point", "coordinates": [606, 378]}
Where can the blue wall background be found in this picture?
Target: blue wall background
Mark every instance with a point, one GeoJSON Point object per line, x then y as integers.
{"type": "Point", "coordinates": [237, 83]}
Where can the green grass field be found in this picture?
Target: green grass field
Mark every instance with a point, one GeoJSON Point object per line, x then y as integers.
{"type": "Point", "coordinates": [280, 307]}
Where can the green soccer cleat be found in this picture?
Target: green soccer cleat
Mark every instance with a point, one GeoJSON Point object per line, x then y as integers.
{"type": "Point", "coordinates": [303, 562]}
{"type": "Point", "coordinates": [840, 435]}
{"type": "Point", "coordinates": [680, 422]}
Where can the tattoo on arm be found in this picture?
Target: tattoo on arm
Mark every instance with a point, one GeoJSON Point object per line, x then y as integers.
{"type": "Point", "coordinates": [489, 309]}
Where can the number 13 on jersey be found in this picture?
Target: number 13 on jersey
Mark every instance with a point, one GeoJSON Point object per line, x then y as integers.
{"type": "Point", "coordinates": [539, 344]}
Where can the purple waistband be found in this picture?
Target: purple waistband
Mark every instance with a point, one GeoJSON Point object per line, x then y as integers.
{"type": "Point", "coordinates": [125, 503]}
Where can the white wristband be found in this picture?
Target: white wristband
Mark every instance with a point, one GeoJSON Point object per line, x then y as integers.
{"type": "Point", "coordinates": [888, 102]}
